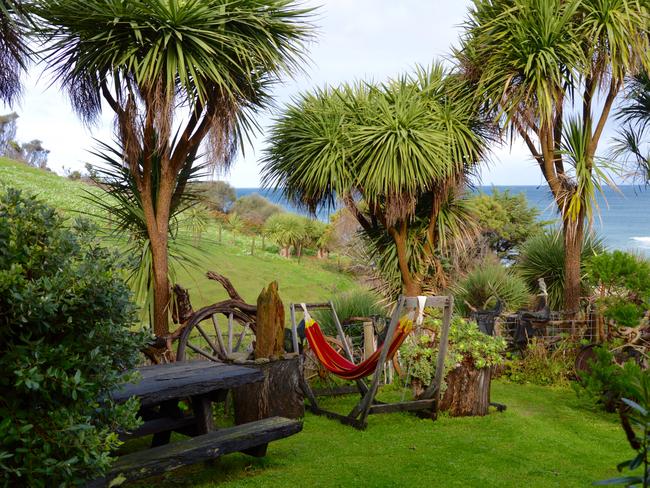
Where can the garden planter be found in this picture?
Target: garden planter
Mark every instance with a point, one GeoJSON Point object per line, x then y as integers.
{"type": "Point", "coordinates": [468, 391]}
{"type": "Point", "coordinates": [278, 395]}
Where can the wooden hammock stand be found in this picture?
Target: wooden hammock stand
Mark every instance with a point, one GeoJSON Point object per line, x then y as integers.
{"type": "Point", "coordinates": [425, 405]}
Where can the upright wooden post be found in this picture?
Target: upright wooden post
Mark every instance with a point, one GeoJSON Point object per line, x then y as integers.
{"type": "Point", "coordinates": [269, 335]}
{"type": "Point", "coordinates": [369, 345]}
{"type": "Point", "coordinates": [434, 388]}
{"type": "Point", "coordinates": [363, 407]}
{"type": "Point", "coordinates": [294, 328]}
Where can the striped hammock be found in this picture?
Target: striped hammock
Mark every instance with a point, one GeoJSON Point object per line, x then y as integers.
{"type": "Point", "coordinates": [344, 368]}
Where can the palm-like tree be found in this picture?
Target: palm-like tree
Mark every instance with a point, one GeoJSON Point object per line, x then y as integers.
{"type": "Point", "coordinates": [630, 144]}
{"type": "Point", "coordinates": [392, 153]}
{"type": "Point", "coordinates": [211, 62]}
{"type": "Point", "coordinates": [14, 53]}
{"type": "Point", "coordinates": [551, 71]}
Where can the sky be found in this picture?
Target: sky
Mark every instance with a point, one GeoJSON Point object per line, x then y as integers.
{"type": "Point", "coordinates": [355, 39]}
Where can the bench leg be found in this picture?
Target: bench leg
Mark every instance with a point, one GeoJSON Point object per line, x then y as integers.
{"type": "Point", "coordinates": [257, 451]}
{"type": "Point", "coordinates": [202, 407]}
{"type": "Point", "coordinates": [167, 409]}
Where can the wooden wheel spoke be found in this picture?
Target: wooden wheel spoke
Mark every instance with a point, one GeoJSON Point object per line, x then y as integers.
{"type": "Point", "coordinates": [202, 352]}
{"type": "Point", "coordinates": [207, 339]}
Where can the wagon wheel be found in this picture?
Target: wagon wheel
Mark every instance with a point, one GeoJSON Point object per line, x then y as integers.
{"type": "Point", "coordinates": [204, 339]}
{"type": "Point", "coordinates": [313, 369]}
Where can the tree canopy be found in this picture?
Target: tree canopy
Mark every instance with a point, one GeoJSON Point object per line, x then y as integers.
{"type": "Point", "coordinates": [394, 153]}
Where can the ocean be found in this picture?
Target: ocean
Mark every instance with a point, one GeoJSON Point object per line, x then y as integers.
{"type": "Point", "coordinates": [623, 219]}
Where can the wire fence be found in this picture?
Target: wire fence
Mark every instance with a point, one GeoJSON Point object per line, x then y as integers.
{"type": "Point", "coordinates": [516, 328]}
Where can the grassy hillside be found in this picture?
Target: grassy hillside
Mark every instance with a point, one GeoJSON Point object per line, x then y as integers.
{"type": "Point", "coordinates": [61, 193]}
{"type": "Point", "coordinates": [308, 280]}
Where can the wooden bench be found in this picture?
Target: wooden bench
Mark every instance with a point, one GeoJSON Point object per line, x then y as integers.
{"type": "Point", "coordinates": [199, 383]}
{"type": "Point", "coordinates": [250, 438]}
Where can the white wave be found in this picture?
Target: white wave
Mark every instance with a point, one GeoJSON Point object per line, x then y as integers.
{"type": "Point", "coordinates": [644, 240]}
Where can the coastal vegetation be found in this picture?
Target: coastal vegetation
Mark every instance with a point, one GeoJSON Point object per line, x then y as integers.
{"type": "Point", "coordinates": [145, 258]}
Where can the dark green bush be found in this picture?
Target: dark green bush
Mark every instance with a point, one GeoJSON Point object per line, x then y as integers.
{"type": "Point", "coordinates": [64, 342]}
{"type": "Point", "coordinates": [607, 382]}
{"type": "Point", "coordinates": [622, 282]}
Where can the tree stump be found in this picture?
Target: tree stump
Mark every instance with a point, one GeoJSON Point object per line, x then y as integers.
{"type": "Point", "coordinates": [269, 334]}
{"type": "Point", "coordinates": [278, 395]}
{"type": "Point", "coordinates": [468, 391]}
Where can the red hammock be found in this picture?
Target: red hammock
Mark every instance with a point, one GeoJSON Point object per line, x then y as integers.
{"type": "Point", "coordinates": [343, 367]}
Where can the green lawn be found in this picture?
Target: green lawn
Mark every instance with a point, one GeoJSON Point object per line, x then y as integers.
{"type": "Point", "coordinates": [545, 438]}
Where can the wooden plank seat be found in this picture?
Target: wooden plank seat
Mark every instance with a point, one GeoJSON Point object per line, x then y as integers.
{"type": "Point", "coordinates": [250, 438]}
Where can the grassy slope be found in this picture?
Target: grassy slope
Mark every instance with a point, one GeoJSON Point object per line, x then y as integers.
{"type": "Point", "coordinates": [309, 280]}
{"type": "Point", "coordinates": [545, 438]}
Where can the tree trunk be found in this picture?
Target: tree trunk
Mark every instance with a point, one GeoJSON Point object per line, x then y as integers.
{"type": "Point", "coordinates": [573, 237]}
{"type": "Point", "coordinates": [220, 231]}
{"type": "Point", "coordinates": [161, 284]}
{"type": "Point", "coordinates": [400, 237]}
{"type": "Point", "coordinates": [269, 333]}
{"type": "Point", "coordinates": [253, 246]}
{"type": "Point", "coordinates": [278, 395]}
{"type": "Point", "coordinates": [468, 391]}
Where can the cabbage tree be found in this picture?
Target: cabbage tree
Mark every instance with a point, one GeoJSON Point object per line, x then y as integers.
{"type": "Point", "coordinates": [551, 71]}
{"type": "Point", "coordinates": [14, 53]}
{"type": "Point", "coordinates": [393, 153]}
{"type": "Point", "coordinates": [176, 73]}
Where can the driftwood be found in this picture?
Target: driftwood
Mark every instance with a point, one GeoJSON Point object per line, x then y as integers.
{"type": "Point", "coordinates": [269, 335]}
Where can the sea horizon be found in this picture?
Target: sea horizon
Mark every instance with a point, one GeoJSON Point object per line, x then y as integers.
{"type": "Point", "coordinates": [622, 221]}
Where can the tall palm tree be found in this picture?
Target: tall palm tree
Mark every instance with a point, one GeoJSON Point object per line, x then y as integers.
{"type": "Point", "coordinates": [197, 68]}
{"type": "Point", "coordinates": [630, 144]}
{"type": "Point", "coordinates": [551, 71]}
{"type": "Point", "coordinates": [14, 53]}
{"type": "Point", "coordinates": [391, 152]}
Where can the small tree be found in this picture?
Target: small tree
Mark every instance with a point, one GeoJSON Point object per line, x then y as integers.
{"type": "Point", "coordinates": [217, 195]}
{"type": "Point", "coordinates": [506, 220]}
{"type": "Point", "coordinates": [236, 225]}
{"type": "Point", "coordinates": [35, 154]}
{"type": "Point", "coordinates": [8, 128]}
{"type": "Point", "coordinates": [65, 343]}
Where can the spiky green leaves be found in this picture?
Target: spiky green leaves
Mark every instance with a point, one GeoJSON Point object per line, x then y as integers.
{"type": "Point", "coordinates": [196, 48]}
{"type": "Point", "coordinates": [389, 143]}
{"type": "Point", "coordinates": [526, 55]}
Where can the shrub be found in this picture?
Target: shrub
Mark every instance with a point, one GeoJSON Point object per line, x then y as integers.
{"type": "Point", "coordinates": [488, 282]}
{"type": "Point", "coordinates": [466, 342]}
{"type": "Point", "coordinates": [542, 365]}
{"type": "Point", "coordinates": [606, 382]}
{"type": "Point", "coordinates": [64, 343]}
{"type": "Point", "coordinates": [622, 281]}
{"type": "Point", "coordinates": [542, 256]}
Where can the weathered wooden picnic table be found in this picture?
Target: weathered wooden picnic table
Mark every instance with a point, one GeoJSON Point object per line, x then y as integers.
{"type": "Point", "coordinates": [160, 389]}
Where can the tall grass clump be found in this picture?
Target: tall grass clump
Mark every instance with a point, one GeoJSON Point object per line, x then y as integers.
{"type": "Point", "coordinates": [542, 256]}
{"type": "Point", "coordinates": [487, 283]}
{"type": "Point", "coordinates": [357, 303]}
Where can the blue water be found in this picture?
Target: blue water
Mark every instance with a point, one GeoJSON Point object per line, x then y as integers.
{"type": "Point", "coordinates": [623, 220]}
